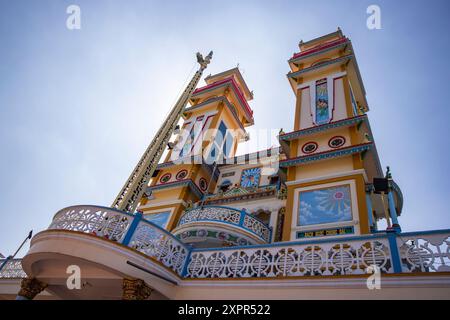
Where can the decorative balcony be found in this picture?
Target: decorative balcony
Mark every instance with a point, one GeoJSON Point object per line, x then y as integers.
{"type": "Point", "coordinates": [129, 230]}
{"type": "Point", "coordinates": [391, 253]}
{"type": "Point", "coordinates": [217, 226]}
{"type": "Point", "coordinates": [107, 240]}
{"type": "Point", "coordinates": [414, 252]}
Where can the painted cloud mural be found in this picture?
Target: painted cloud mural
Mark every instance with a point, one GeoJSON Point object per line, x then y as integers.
{"type": "Point", "coordinates": [325, 206]}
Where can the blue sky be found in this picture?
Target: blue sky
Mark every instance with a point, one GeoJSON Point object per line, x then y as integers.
{"type": "Point", "coordinates": [78, 108]}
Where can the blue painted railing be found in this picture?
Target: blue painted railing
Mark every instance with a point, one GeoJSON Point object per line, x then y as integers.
{"type": "Point", "coordinates": [391, 252]}
{"type": "Point", "coordinates": [131, 230]}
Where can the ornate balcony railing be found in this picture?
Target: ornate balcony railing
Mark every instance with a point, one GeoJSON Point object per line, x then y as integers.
{"type": "Point", "coordinates": [103, 222]}
{"type": "Point", "coordinates": [427, 251]}
{"type": "Point", "coordinates": [12, 269]}
{"type": "Point", "coordinates": [130, 230]}
{"type": "Point", "coordinates": [160, 244]}
{"type": "Point", "coordinates": [333, 257]}
{"type": "Point", "coordinates": [391, 252]}
{"type": "Point", "coordinates": [238, 218]}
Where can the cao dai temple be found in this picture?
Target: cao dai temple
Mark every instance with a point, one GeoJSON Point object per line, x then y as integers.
{"type": "Point", "coordinates": [195, 221]}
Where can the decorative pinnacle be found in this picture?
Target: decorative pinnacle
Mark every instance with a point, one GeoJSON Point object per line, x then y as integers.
{"type": "Point", "coordinates": [388, 173]}
{"type": "Point", "coordinates": [204, 61]}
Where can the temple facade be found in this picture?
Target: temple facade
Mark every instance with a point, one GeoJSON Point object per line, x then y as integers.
{"type": "Point", "coordinates": [316, 217]}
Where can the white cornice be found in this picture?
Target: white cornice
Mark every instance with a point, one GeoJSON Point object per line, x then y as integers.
{"type": "Point", "coordinates": [323, 282]}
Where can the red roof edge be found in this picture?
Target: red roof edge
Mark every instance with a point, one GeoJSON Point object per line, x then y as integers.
{"type": "Point", "coordinates": [320, 47]}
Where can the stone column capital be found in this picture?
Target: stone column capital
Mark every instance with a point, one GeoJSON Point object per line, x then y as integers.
{"type": "Point", "coordinates": [135, 289]}
{"type": "Point", "coordinates": [30, 287]}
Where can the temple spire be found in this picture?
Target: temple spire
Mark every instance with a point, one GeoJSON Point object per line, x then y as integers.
{"type": "Point", "coordinates": [133, 189]}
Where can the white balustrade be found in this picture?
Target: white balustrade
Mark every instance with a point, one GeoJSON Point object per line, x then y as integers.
{"type": "Point", "coordinates": [256, 226]}
{"type": "Point", "coordinates": [338, 257]}
{"type": "Point", "coordinates": [229, 215]}
{"type": "Point", "coordinates": [100, 221]}
{"type": "Point", "coordinates": [425, 251]}
{"type": "Point", "coordinates": [415, 252]}
{"type": "Point", "coordinates": [115, 225]}
{"type": "Point", "coordinates": [211, 213]}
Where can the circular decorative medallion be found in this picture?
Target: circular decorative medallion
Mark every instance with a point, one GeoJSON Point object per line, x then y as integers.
{"type": "Point", "coordinates": [181, 174]}
{"type": "Point", "coordinates": [165, 177]}
{"type": "Point", "coordinates": [309, 147]}
{"type": "Point", "coordinates": [203, 184]}
{"type": "Point", "coordinates": [336, 142]}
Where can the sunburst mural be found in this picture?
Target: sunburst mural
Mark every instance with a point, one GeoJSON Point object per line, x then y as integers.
{"type": "Point", "coordinates": [325, 205]}
{"type": "Point", "coordinates": [250, 177]}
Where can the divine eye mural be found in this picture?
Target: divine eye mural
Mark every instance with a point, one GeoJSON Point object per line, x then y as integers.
{"type": "Point", "coordinates": [250, 177]}
{"type": "Point", "coordinates": [160, 219]}
{"type": "Point", "coordinates": [322, 114]}
{"type": "Point", "coordinates": [325, 206]}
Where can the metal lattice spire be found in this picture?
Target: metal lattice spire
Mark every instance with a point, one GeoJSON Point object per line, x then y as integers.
{"type": "Point", "coordinates": [131, 193]}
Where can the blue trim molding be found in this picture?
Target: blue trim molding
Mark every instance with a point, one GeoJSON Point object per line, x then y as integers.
{"type": "Point", "coordinates": [326, 155]}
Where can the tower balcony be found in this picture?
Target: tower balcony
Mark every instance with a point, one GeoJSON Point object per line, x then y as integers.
{"type": "Point", "coordinates": [107, 246]}
{"type": "Point", "coordinates": [218, 226]}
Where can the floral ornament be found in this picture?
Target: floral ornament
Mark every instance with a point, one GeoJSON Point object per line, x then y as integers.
{"type": "Point", "coordinates": [336, 142]}
{"type": "Point", "coordinates": [309, 147]}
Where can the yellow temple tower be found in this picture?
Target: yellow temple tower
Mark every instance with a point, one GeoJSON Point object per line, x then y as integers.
{"type": "Point", "coordinates": [331, 155]}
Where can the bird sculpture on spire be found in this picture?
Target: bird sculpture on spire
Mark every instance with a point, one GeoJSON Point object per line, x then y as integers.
{"type": "Point", "coordinates": [204, 61]}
